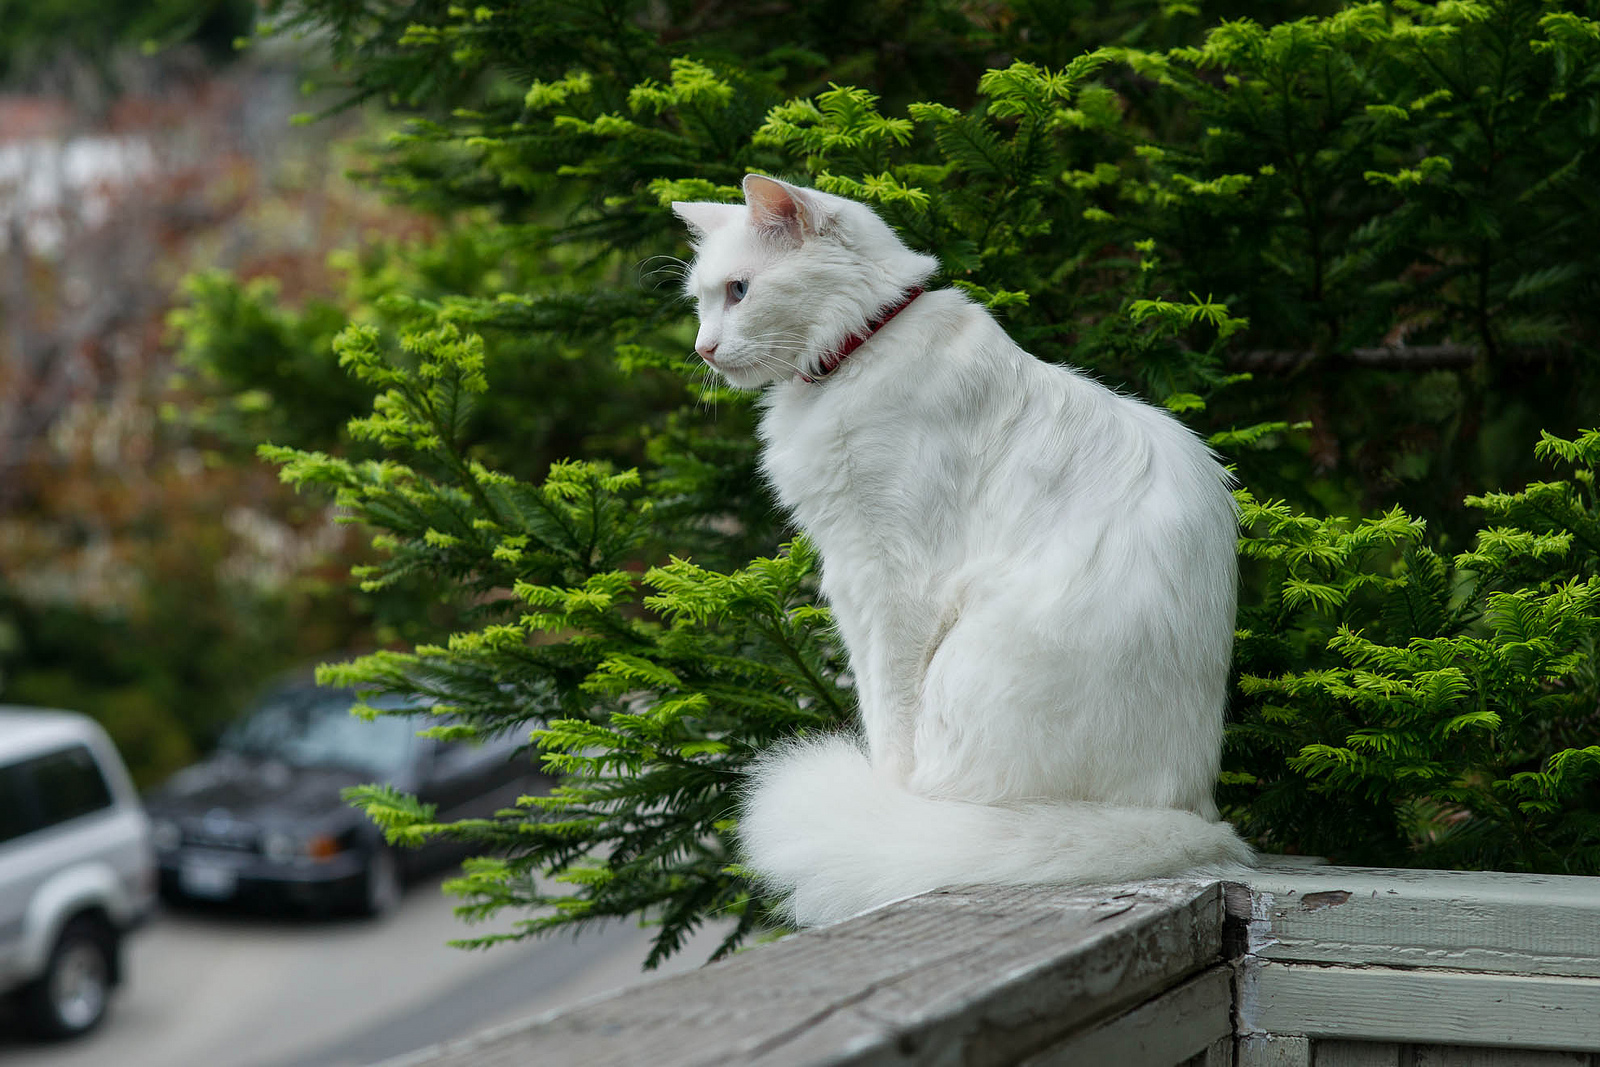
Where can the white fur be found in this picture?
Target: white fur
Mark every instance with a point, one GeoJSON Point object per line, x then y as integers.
{"type": "Point", "coordinates": [1034, 578]}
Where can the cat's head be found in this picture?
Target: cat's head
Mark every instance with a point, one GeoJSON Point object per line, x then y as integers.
{"type": "Point", "coordinates": [787, 276]}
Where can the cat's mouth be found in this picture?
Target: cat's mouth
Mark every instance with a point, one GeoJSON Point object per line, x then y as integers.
{"type": "Point", "coordinates": [744, 370]}
{"type": "Point", "coordinates": [744, 375]}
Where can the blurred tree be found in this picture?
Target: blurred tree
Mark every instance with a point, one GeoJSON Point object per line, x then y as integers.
{"type": "Point", "coordinates": [37, 35]}
{"type": "Point", "coordinates": [143, 578]}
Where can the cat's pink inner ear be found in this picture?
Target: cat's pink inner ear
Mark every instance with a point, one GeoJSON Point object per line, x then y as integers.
{"type": "Point", "coordinates": [703, 217]}
{"type": "Point", "coordinates": [778, 206]}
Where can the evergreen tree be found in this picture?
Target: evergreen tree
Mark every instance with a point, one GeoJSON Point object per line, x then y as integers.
{"type": "Point", "coordinates": [1381, 205]}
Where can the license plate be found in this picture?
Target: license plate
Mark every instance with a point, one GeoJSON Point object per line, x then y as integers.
{"type": "Point", "coordinates": [212, 881]}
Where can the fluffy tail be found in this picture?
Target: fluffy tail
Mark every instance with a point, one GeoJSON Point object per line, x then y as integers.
{"type": "Point", "coordinates": [819, 825]}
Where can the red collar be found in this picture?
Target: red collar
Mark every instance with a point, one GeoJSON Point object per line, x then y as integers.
{"type": "Point", "coordinates": [831, 361]}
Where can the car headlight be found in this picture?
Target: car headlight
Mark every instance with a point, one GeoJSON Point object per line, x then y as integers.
{"type": "Point", "coordinates": [165, 835]}
{"type": "Point", "coordinates": [279, 847]}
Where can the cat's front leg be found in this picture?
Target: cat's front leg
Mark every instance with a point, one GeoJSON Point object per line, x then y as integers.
{"type": "Point", "coordinates": [889, 656]}
{"type": "Point", "coordinates": [888, 711]}
{"type": "Point", "coordinates": [858, 619]}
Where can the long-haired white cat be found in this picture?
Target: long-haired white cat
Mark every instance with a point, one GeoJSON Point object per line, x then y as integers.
{"type": "Point", "coordinates": [1033, 576]}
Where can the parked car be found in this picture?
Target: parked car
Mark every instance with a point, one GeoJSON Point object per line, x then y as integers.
{"type": "Point", "coordinates": [262, 819]}
{"type": "Point", "coordinates": [77, 871]}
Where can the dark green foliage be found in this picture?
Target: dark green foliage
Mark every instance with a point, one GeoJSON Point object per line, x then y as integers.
{"type": "Point", "coordinates": [37, 33]}
{"type": "Point", "coordinates": [666, 716]}
{"type": "Point", "coordinates": [1395, 189]}
{"type": "Point", "coordinates": [234, 332]}
{"type": "Point", "coordinates": [1406, 708]}
{"type": "Point", "coordinates": [1366, 224]}
{"type": "Point", "coordinates": [655, 689]}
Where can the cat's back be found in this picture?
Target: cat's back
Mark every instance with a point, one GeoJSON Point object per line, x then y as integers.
{"type": "Point", "coordinates": [944, 420]}
{"type": "Point", "coordinates": [1056, 439]}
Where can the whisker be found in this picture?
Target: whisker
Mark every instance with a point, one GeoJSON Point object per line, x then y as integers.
{"type": "Point", "coordinates": [671, 266]}
{"type": "Point", "coordinates": [705, 389]}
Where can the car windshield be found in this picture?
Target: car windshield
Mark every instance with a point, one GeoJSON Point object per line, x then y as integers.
{"type": "Point", "coordinates": [314, 728]}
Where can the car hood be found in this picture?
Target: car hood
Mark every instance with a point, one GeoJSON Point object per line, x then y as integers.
{"type": "Point", "coordinates": [255, 790]}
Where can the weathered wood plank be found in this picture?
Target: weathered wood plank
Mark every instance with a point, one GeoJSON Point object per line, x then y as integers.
{"type": "Point", "coordinates": [1455, 1056]}
{"type": "Point", "coordinates": [1163, 1032]}
{"type": "Point", "coordinates": [1475, 921]}
{"type": "Point", "coordinates": [1337, 967]}
{"type": "Point", "coordinates": [1419, 1006]}
{"type": "Point", "coordinates": [1220, 1054]}
{"type": "Point", "coordinates": [1274, 1050]}
{"type": "Point", "coordinates": [977, 977]}
{"type": "Point", "coordinates": [1359, 1054]}
{"type": "Point", "coordinates": [1390, 1054]}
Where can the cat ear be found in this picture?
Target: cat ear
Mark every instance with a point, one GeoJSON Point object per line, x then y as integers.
{"type": "Point", "coordinates": [702, 217]}
{"type": "Point", "coordinates": [780, 208]}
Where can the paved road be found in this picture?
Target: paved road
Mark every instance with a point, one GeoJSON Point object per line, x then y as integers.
{"type": "Point", "coordinates": [254, 991]}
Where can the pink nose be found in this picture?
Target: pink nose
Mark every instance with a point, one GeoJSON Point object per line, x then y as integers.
{"type": "Point", "coordinates": [707, 351]}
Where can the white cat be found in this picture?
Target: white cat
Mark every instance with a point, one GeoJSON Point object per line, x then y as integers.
{"type": "Point", "coordinates": [1033, 576]}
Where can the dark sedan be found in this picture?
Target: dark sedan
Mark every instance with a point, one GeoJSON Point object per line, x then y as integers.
{"type": "Point", "coordinates": [262, 819]}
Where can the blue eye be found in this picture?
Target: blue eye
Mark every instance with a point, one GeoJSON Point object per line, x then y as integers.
{"type": "Point", "coordinates": [736, 290]}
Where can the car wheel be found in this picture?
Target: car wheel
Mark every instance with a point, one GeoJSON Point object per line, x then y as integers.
{"type": "Point", "coordinates": [70, 998]}
{"type": "Point", "coordinates": [382, 889]}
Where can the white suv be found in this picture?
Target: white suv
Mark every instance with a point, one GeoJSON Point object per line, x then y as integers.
{"type": "Point", "coordinates": [77, 870]}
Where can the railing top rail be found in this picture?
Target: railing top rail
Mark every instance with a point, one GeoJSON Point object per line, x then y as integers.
{"type": "Point", "coordinates": [996, 975]}
{"type": "Point", "coordinates": [1469, 920]}
{"type": "Point", "coordinates": [975, 976]}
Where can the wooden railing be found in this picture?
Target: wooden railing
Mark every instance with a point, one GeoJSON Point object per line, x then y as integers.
{"type": "Point", "coordinates": [1355, 967]}
{"type": "Point", "coordinates": [1295, 966]}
